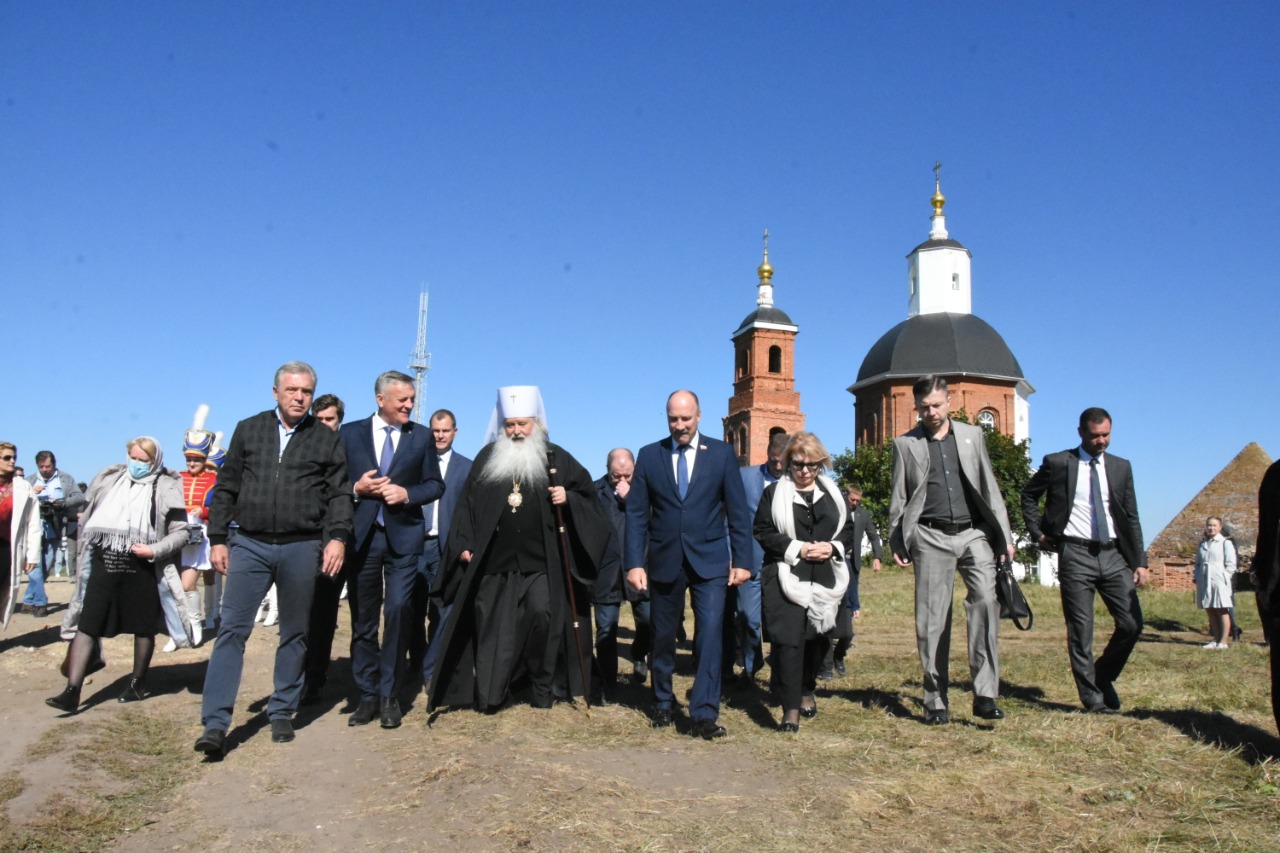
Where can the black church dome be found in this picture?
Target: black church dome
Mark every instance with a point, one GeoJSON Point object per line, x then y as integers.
{"type": "Point", "coordinates": [943, 343]}
{"type": "Point", "coordinates": [766, 315]}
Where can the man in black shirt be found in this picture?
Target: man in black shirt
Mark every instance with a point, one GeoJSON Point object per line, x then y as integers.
{"type": "Point", "coordinates": [946, 513]}
{"type": "Point", "coordinates": [285, 483]}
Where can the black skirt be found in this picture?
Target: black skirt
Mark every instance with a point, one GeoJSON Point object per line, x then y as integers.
{"type": "Point", "coordinates": [788, 622]}
{"type": "Point", "coordinates": [122, 596]}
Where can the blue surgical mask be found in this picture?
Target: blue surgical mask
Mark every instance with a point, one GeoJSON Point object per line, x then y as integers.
{"type": "Point", "coordinates": [139, 469]}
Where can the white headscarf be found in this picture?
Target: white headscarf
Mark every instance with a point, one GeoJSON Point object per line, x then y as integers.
{"type": "Point", "coordinates": [123, 517]}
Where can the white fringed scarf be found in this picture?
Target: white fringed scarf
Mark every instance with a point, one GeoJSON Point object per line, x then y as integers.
{"type": "Point", "coordinates": [821, 603]}
{"type": "Point", "coordinates": [123, 517]}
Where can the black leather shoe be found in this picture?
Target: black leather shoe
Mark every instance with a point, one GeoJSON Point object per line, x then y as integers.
{"type": "Point", "coordinates": [840, 668]}
{"type": "Point", "coordinates": [662, 718]}
{"type": "Point", "coordinates": [788, 728]}
{"type": "Point", "coordinates": [212, 743]}
{"type": "Point", "coordinates": [364, 713]}
{"type": "Point", "coordinates": [281, 730]}
{"type": "Point", "coordinates": [939, 717]}
{"type": "Point", "coordinates": [135, 692]}
{"type": "Point", "coordinates": [826, 674]}
{"type": "Point", "coordinates": [68, 700]}
{"type": "Point", "coordinates": [987, 709]}
{"type": "Point", "coordinates": [810, 712]}
{"type": "Point", "coordinates": [640, 672]}
{"type": "Point", "coordinates": [708, 730]}
{"type": "Point", "coordinates": [1109, 696]}
{"type": "Point", "coordinates": [1099, 709]}
{"type": "Point", "coordinates": [391, 715]}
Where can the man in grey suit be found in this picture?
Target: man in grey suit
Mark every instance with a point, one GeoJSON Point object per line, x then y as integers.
{"type": "Point", "coordinates": [946, 513]}
{"type": "Point", "coordinates": [1091, 520]}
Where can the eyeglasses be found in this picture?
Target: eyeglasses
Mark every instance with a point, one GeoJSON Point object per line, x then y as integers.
{"type": "Point", "coordinates": [8, 458]}
{"type": "Point", "coordinates": [812, 466]}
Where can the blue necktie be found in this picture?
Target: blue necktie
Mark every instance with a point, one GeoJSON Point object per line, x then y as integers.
{"type": "Point", "coordinates": [682, 472]}
{"type": "Point", "coordinates": [1101, 528]}
{"type": "Point", "coordinates": [384, 461]}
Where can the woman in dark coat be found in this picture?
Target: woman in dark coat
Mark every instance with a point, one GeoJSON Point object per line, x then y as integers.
{"type": "Point", "coordinates": [802, 524]}
{"type": "Point", "coordinates": [135, 523]}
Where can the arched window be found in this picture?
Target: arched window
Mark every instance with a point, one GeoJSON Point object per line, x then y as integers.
{"type": "Point", "coordinates": [744, 449]}
{"type": "Point", "coordinates": [987, 419]}
{"type": "Point", "coordinates": [775, 359]}
{"type": "Point", "coordinates": [741, 366]}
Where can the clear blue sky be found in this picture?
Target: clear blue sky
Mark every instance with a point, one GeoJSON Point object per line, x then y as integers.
{"type": "Point", "coordinates": [192, 193]}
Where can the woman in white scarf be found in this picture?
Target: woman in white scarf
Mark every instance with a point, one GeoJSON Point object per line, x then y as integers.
{"type": "Point", "coordinates": [134, 524]}
{"type": "Point", "coordinates": [803, 526]}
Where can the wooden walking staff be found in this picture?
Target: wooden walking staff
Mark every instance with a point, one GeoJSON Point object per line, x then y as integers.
{"type": "Point", "coordinates": [568, 584]}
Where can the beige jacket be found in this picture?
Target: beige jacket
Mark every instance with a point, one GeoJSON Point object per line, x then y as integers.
{"type": "Point", "coordinates": [24, 536]}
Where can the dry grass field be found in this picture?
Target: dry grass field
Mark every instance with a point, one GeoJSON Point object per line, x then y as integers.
{"type": "Point", "coordinates": [1190, 764]}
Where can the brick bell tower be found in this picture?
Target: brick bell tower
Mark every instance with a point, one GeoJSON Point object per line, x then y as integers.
{"type": "Point", "coordinates": [764, 398]}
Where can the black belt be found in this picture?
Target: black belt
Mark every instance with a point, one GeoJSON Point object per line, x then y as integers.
{"type": "Point", "coordinates": [947, 527]}
{"type": "Point", "coordinates": [1093, 545]}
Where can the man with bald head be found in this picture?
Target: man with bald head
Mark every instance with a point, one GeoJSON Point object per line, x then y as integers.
{"type": "Point", "coordinates": [688, 527]}
{"type": "Point", "coordinates": [611, 589]}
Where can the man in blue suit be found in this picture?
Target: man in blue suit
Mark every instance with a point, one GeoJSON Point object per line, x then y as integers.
{"type": "Point", "coordinates": [454, 468]}
{"type": "Point", "coordinates": [392, 462]}
{"type": "Point", "coordinates": [747, 632]}
{"type": "Point", "coordinates": [688, 527]}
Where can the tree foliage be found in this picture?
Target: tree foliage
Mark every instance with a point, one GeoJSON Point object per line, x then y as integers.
{"type": "Point", "coordinates": [871, 466]}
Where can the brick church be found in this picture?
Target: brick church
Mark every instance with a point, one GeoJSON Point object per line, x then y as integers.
{"type": "Point", "coordinates": [941, 335]}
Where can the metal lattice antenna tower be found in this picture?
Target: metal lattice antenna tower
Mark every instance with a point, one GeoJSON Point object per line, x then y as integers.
{"type": "Point", "coordinates": [421, 362]}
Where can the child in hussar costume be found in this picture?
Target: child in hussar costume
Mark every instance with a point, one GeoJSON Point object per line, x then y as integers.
{"type": "Point", "coordinates": [197, 480]}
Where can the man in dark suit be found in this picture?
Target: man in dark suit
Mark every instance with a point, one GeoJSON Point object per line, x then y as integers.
{"type": "Point", "coordinates": [1091, 520]}
{"type": "Point", "coordinates": [329, 410]}
{"type": "Point", "coordinates": [454, 468]}
{"type": "Point", "coordinates": [1266, 568]}
{"type": "Point", "coordinates": [610, 589]}
{"type": "Point", "coordinates": [946, 514]}
{"type": "Point", "coordinates": [392, 462]}
{"type": "Point", "coordinates": [687, 528]}
{"type": "Point", "coordinates": [863, 527]}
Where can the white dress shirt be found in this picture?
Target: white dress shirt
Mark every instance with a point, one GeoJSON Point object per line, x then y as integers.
{"type": "Point", "coordinates": [1080, 524]}
{"type": "Point", "coordinates": [690, 456]}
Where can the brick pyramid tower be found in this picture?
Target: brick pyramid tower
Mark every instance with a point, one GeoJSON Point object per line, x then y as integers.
{"type": "Point", "coordinates": [1231, 494]}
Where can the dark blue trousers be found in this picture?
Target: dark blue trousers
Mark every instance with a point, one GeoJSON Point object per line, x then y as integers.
{"type": "Point", "coordinates": [381, 592]}
{"type": "Point", "coordinates": [666, 607]}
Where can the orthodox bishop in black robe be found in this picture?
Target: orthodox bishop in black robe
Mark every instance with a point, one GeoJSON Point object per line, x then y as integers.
{"type": "Point", "coordinates": [502, 576]}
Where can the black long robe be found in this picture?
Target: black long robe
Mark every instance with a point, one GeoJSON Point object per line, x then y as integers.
{"type": "Point", "coordinates": [479, 508]}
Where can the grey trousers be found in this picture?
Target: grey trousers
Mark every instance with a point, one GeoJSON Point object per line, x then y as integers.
{"type": "Point", "coordinates": [1081, 574]}
{"type": "Point", "coordinates": [937, 557]}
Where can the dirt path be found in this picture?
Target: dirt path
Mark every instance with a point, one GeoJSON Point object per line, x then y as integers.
{"type": "Point", "coordinates": [335, 787]}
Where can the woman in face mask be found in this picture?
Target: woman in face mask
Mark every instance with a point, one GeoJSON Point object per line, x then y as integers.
{"type": "Point", "coordinates": [134, 524]}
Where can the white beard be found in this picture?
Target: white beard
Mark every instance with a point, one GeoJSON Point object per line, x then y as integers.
{"type": "Point", "coordinates": [523, 461]}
